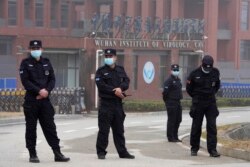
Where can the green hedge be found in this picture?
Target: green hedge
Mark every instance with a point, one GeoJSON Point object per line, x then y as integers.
{"type": "Point", "coordinates": [144, 106]}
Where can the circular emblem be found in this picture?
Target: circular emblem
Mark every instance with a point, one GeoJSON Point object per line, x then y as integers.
{"type": "Point", "coordinates": [47, 72]}
{"type": "Point", "coordinates": [148, 72]}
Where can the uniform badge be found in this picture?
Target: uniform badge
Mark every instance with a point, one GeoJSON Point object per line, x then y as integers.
{"type": "Point", "coordinates": [47, 72]}
{"type": "Point", "coordinates": [213, 84]}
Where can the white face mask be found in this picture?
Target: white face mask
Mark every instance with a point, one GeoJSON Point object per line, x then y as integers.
{"type": "Point", "coordinates": [36, 53]}
{"type": "Point", "coordinates": [203, 70]}
{"type": "Point", "coordinates": [175, 73]}
{"type": "Point", "coordinates": [109, 61]}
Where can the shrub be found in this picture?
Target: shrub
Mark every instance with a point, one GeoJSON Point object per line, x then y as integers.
{"type": "Point", "coordinates": [158, 105]}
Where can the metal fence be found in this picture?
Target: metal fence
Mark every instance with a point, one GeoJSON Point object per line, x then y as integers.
{"type": "Point", "coordinates": [235, 90]}
{"type": "Point", "coordinates": [64, 100]}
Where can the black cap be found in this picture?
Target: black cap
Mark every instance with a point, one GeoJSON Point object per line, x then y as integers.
{"type": "Point", "coordinates": [175, 67]}
{"type": "Point", "coordinates": [110, 52]}
{"type": "Point", "coordinates": [35, 44]}
{"type": "Point", "coordinates": [208, 60]}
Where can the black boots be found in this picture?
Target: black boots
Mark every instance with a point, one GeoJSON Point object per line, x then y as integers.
{"type": "Point", "coordinates": [127, 156]}
{"type": "Point", "coordinates": [59, 157]}
{"type": "Point", "coordinates": [33, 156]}
{"type": "Point", "coordinates": [214, 153]}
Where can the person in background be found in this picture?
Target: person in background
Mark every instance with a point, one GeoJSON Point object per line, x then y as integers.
{"type": "Point", "coordinates": [202, 85]}
{"type": "Point", "coordinates": [37, 76]}
{"type": "Point", "coordinates": [172, 95]}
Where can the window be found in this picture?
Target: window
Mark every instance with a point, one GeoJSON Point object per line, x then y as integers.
{"type": "Point", "coordinates": [244, 15]}
{"type": "Point", "coordinates": [64, 14]}
{"type": "Point", "coordinates": [1, 9]}
{"type": "Point", "coordinates": [12, 13]}
{"type": "Point", "coordinates": [53, 13]}
{"type": "Point", "coordinates": [28, 13]}
{"type": "Point", "coordinates": [66, 68]}
{"type": "Point", "coordinates": [2, 19]}
{"type": "Point", "coordinates": [245, 50]}
{"type": "Point", "coordinates": [39, 13]}
{"type": "Point", "coordinates": [5, 47]}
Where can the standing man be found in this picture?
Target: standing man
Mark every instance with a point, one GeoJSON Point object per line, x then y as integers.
{"type": "Point", "coordinates": [37, 76]}
{"type": "Point", "coordinates": [172, 94]}
{"type": "Point", "coordinates": [202, 85]}
{"type": "Point", "coordinates": [111, 81]}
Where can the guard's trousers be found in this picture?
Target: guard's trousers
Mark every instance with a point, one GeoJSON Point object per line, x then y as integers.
{"type": "Point", "coordinates": [197, 112]}
{"type": "Point", "coordinates": [43, 111]}
{"type": "Point", "coordinates": [174, 112]}
{"type": "Point", "coordinates": [111, 114]}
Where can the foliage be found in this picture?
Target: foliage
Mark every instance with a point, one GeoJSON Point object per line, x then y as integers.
{"type": "Point", "coordinates": [153, 105]}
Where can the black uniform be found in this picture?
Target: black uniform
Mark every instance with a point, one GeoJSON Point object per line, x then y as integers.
{"type": "Point", "coordinates": [111, 112]}
{"type": "Point", "coordinates": [202, 87]}
{"type": "Point", "coordinates": [172, 94]}
{"type": "Point", "coordinates": [36, 75]}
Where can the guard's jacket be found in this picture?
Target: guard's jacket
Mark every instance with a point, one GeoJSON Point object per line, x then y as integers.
{"type": "Point", "coordinates": [108, 79]}
{"type": "Point", "coordinates": [203, 86]}
{"type": "Point", "coordinates": [36, 75]}
{"type": "Point", "coordinates": [172, 89]}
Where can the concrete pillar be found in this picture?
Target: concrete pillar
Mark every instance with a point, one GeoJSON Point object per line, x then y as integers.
{"type": "Point", "coordinates": [90, 8]}
{"type": "Point", "coordinates": [33, 12]}
{"type": "Point", "coordinates": [46, 13]}
{"type": "Point", "coordinates": [117, 7]}
{"type": "Point", "coordinates": [131, 8]}
{"type": "Point", "coordinates": [175, 9]}
{"type": "Point", "coordinates": [175, 56]}
{"type": "Point", "coordinates": [160, 9]}
{"type": "Point", "coordinates": [146, 9]}
{"type": "Point", "coordinates": [211, 27]}
{"type": "Point", "coordinates": [20, 13]}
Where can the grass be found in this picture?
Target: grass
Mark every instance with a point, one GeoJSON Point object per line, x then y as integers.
{"type": "Point", "coordinates": [226, 141]}
{"type": "Point", "coordinates": [4, 114]}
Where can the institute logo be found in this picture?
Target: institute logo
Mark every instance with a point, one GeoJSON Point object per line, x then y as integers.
{"type": "Point", "coordinates": [148, 72]}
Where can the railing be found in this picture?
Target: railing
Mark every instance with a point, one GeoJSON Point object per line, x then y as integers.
{"type": "Point", "coordinates": [235, 90]}
{"type": "Point", "coordinates": [64, 100]}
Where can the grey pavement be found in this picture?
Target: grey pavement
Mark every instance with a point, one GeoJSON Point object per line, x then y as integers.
{"type": "Point", "coordinates": [145, 137]}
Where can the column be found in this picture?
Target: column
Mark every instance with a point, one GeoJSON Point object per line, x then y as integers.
{"type": "Point", "coordinates": [117, 7]}
{"type": "Point", "coordinates": [175, 9]}
{"type": "Point", "coordinates": [211, 27]}
{"type": "Point", "coordinates": [117, 11]}
{"type": "Point", "coordinates": [146, 8]}
{"type": "Point", "coordinates": [46, 14]}
{"type": "Point", "coordinates": [90, 8]}
{"type": "Point", "coordinates": [20, 13]}
{"type": "Point", "coordinates": [161, 9]}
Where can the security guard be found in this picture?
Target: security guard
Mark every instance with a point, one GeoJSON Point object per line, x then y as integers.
{"type": "Point", "coordinates": [172, 94]}
{"type": "Point", "coordinates": [202, 85]}
{"type": "Point", "coordinates": [38, 79]}
{"type": "Point", "coordinates": [111, 81]}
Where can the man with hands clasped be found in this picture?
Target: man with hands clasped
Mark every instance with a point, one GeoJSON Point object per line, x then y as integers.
{"type": "Point", "coordinates": [37, 76]}
{"type": "Point", "coordinates": [111, 81]}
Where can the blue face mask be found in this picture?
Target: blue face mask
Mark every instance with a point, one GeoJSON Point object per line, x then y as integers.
{"type": "Point", "coordinates": [109, 61]}
{"type": "Point", "coordinates": [176, 73]}
{"type": "Point", "coordinates": [36, 53]}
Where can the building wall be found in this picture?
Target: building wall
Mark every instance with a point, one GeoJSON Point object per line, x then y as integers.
{"type": "Point", "coordinates": [77, 36]}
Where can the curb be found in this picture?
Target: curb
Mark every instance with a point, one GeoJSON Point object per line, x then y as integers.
{"type": "Point", "coordinates": [230, 152]}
